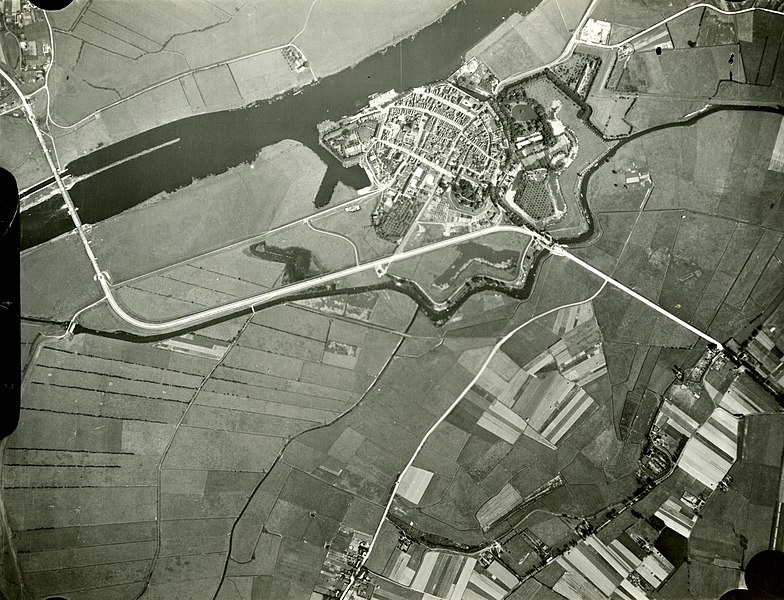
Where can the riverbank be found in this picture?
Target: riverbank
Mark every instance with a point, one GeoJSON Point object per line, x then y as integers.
{"type": "Point", "coordinates": [20, 152]}
{"type": "Point", "coordinates": [587, 238]}
{"type": "Point", "coordinates": [211, 143]}
{"type": "Point", "coordinates": [223, 87]}
{"type": "Point", "coordinates": [56, 280]}
{"type": "Point", "coordinates": [277, 187]}
{"type": "Point", "coordinates": [330, 40]}
{"type": "Point", "coordinates": [274, 189]}
{"type": "Point", "coordinates": [363, 29]}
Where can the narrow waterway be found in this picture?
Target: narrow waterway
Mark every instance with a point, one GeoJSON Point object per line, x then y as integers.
{"type": "Point", "coordinates": [586, 180]}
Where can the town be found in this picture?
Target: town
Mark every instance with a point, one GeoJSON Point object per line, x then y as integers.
{"type": "Point", "coordinates": [527, 344]}
{"type": "Point", "coordinates": [440, 150]}
{"type": "Point", "coordinates": [467, 153]}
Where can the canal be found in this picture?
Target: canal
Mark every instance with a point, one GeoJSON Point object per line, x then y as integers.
{"type": "Point", "coordinates": [213, 143]}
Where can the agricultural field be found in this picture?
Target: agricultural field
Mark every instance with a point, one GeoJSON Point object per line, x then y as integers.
{"type": "Point", "coordinates": [138, 241]}
{"type": "Point", "coordinates": [626, 320]}
{"type": "Point", "coordinates": [10, 48]}
{"type": "Point", "coordinates": [236, 272]}
{"type": "Point", "coordinates": [737, 524]}
{"type": "Point", "coordinates": [691, 73]}
{"type": "Point", "coordinates": [338, 35]}
{"type": "Point", "coordinates": [761, 49]}
{"type": "Point", "coordinates": [639, 376]}
{"type": "Point", "coordinates": [684, 31]}
{"type": "Point", "coordinates": [501, 256]}
{"type": "Point", "coordinates": [490, 314]}
{"type": "Point", "coordinates": [28, 332]}
{"type": "Point", "coordinates": [96, 416]}
{"type": "Point", "coordinates": [431, 357]}
{"type": "Point", "coordinates": [357, 227]}
{"type": "Point", "coordinates": [57, 279]}
{"type": "Point", "coordinates": [72, 97]}
{"type": "Point", "coordinates": [703, 54]}
{"type": "Point", "coordinates": [532, 589]}
{"type": "Point", "coordinates": [500, 455]}
{"type": "Point", "coordinates": [192, 288]}
{"type": "Point", "coordinates": [482, 315]}
{"type": "Point", "coordinates": [384, 308]}
{"type": "Point", "coordinates": [211, 213]}
{"type": "Point", "coordinates": [551, 289]}
{"type": "Point", "coordinates": [583, 462]}
{"type": "Point", "coordinates": [107, 53]}
{"type": "Point", "coordinates": [609, 113]}
{"type": "Point", "coordinates": [147, 442]}
{"type": "Point", "coordinates": [217, 86]}
{"type": "Point", "coordinates": [708, 240]}
{"type": "Point", "coordinates": [648, 112]}
{"type": "Point", "coordinates": [644, 262]}
{"type": "Point", "coordinates": [357, 458]}
{"type": "Point", "coordinates": [524, 42]}
{"type": "Point", "coordinates": [20, 153]}
{"type": "Point", "coordinates": [417, 572]}
{"type": "Point", "coordinates": [266, 386]}
{"type": "Point", "coordinates": [618, 114]}
{"type": "Point", "coordinates": [629, 16]}
{"type": "Point", "coordinates": [265, 76]}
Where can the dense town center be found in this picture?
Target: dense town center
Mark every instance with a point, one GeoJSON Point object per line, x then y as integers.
{"type": "Point", "coordinates": [510, 330]}
{"type": "Point", "coordinates": [440, 148]}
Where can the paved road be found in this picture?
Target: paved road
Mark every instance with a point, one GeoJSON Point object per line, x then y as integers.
{"type": "Point", "coordinates": [561, 252]}
{"type": "Point", "coordinates": [219, 311]}
{"type": "Point", "coordinates": [216, 312]}
{"type": "Point", "coordinates": [565, 54]}
{"type": "Point", "coordinates": [239, 305]}
{"type": "Point", "coordinates": [574, 41]}
{"type": "Point", "coordinates": [63, 190]}
{"type": "Point", "coordinates": [441, 419]}
{"type": "Point", "coordinates": [777, 530]}
{"type": "Point", "coordinates": [557, 250]}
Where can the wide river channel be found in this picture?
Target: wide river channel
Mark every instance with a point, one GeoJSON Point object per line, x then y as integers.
{"type": "Point", "coordinates": [212, 143]}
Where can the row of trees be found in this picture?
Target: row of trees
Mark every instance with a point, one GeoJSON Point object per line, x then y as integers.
{"type": "Point", "coordinates": [514, 128]}
{"type": "Point", "coordinates": [468, 194]}
{"type": "Point", "coordinates": [584, 114]}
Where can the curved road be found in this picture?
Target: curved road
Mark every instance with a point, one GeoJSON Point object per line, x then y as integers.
{"type": "Point", "coordinates": [218, 311]}
{"type": "Point", "coordinates": [103, 280]}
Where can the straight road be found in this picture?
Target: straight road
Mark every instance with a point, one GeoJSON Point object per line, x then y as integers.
{"type": "Point", "coordinates": [574, 40]}
{"type": "Point", "coordinates": [256, 236]}
{"type": "Point", "coordinates": [51, 190]}
{"type": "Point", "coordinates": [435, 425]}
{"type": "Point", "coordinates": [183, 322]}
{"type": "Point", "coordinates": [239, 305]}
{"type": "Point", "coordinates": [777, 531]}
{"type": "Point", "coordinates": [31, 118]}
{"type": "Point", "coordinates": [558, 250]}
{"type": "Point", "coordinates": [565, 54]}
{"type": "Point", "coordinates": [194, 319]}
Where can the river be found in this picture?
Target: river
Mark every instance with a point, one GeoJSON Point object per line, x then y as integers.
{"type": "Point", "coordinates": [212, 143]}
